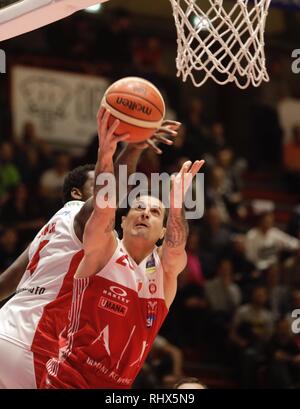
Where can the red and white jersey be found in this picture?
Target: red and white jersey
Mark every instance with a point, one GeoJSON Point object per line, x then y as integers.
{"type": "Point", "coordinates": [49, 274]}
{"type": "Point", "coordinates": [114, 318]}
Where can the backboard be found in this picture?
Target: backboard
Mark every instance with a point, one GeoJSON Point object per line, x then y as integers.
{"type": "Point", "coordinates": [21, 16]}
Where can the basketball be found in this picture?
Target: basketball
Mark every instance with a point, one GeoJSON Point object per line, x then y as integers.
{"type": "Point", "coordinates": [139, 106]}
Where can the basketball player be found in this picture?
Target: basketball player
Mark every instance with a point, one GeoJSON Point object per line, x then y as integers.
{"type": "Point", "coordinates": [122, 289]}
{"type": "Point", "coordinates": [48, 262]}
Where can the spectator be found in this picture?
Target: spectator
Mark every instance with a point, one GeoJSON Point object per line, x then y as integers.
{"type": "Point", "coordinates": [294, 223]}
{"type": "Point", "coordinates": [284, 358]}
{"type": "Point", "coordinates": [217, 192]}
{"type": "Point", "coordinates": [251, 330]}
{"type": "Point", "coordinates": [52, 179]}
{"type": "Point", "coordinates": [233, 167]}
{"type": "Point", "coordinates": [22, 213]}
{"type": "Point", "coordinates": [197, 131]}
{"type": "Point", "coordinates": [222, 294]}
{"type": "Point", "coordinates": [217, 135]}
{"type": "Point", "coordinates": [294, 305]}
{"type": "Point", "coordinates": [193, 273]}
{"type": "Point", "coordinates": [278, 293]}
{"type": "Point", "coordinates": [265, 242]}
{"type": "Point", "coordinates": [223, 297]}
{"type": "Point", "coordinates": [246, 275]}
{"type": "Point", "coordinates": [166, 360]}
{"type": "Point", "coordinates": [291, 159]}
{"type": "Point", "coordinates": [9, 174]}
{"type": "Point", "coordinates": [291, 274]}
{"type": "Point", "coordinates": [9, 247]}
{"type": "Point", "coordinates": [214, 240]}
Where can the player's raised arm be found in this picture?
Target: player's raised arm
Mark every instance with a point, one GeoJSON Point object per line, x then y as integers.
{"type": "Point", "coordinates": [99, 240]}
{"type": "Point", "coordinates": [129, 157]}
{"type": "Point", "coordinates": [173, 254]}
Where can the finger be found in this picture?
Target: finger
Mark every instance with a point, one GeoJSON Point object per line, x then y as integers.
{"type": "Point", "coordinates": [166, 130]}
{"type": "Point", "coordinates": [185, 167]}
{"type": "Point", "coordinates": [112, 129]}
{"type": "Point", "coordinates": [172, 124]}
{"type": "Point", "coordinates": [104, 122]}
{"type": "Point", "coordinates": [172, 181]}
{"type": "Point", "coordinates": [162, 139]}
{"type": "Point", "coordinates": [197, 165]}
{"type": "Point", "coordinates": [122, 138]}
{"type": "Point", "coordinates": [100, 113]}
{"type": "Point", "coordinates": [154, 147]}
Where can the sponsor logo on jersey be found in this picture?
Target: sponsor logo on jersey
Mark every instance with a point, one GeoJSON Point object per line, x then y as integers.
{"type": "Point", "coordinates": [112, 306]}
{"type": "Point", "coordinates": [33, 290]}
{"type": "Point", "coordinates": [117, 294]}
{"type": "Point", "coordinates": [150, 265]}
{"type": "Point", "coordinates": [118, 291]}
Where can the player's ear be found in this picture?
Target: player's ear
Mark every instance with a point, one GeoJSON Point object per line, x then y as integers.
{"type": "Point", "coordinates": [123, 221]}
{"type": "Point", "coordinates": [163, 232]}
{"type": "Point", "coordinates": [76, 194]}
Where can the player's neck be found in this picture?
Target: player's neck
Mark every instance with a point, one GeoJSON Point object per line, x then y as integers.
{"type": "Point", "coordinates": [137, 249]}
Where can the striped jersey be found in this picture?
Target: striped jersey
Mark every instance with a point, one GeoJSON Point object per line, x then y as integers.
{"type": "Point", "coordinates": [113, 320]}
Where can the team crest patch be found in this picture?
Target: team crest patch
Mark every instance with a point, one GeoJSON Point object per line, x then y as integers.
{"type": "Point", "coordinates": [152, 288]}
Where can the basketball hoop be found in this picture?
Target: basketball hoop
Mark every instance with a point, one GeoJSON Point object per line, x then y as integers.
{"type": "Point", "coordinates": [221, 41]}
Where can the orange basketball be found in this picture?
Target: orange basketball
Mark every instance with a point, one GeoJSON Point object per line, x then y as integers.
{"type": "Point", "coordinates": [139, 106]}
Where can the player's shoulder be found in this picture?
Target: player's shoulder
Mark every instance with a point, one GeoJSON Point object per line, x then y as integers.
{"type": "Point", "coordinates": [69, 208]}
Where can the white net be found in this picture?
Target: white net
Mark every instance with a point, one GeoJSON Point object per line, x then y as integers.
{"type": "Point", "coordinates": [221, 40]}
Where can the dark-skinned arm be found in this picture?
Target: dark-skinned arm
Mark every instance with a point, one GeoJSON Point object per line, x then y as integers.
{"type": "Point", "coordinates": [11, 277]}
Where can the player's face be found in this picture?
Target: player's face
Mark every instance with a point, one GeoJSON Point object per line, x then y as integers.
{"type": "Point", "coordinates": [145, 219]}
{"type": "Point", "coordinates": [88, 187]}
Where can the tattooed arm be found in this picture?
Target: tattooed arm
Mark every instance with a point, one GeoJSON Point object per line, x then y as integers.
{"type": "Point", "coordinates": [99, 241]}
{"type": "Point", "coordinates": [173, 254]}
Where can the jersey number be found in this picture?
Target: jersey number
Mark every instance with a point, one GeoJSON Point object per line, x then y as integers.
{"type": "Point", "coordinates": [36, 257]}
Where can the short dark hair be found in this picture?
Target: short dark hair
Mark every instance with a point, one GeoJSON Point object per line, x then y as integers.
{"type": "Point", "coordinates": [76, 178]}
{"type": "Point", "coordinates": [188, 380]}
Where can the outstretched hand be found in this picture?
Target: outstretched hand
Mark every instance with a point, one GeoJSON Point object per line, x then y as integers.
{"type": "Point", "coordinates": [181, 182]}
{"type": "Point", "coordinates": [168, 129]}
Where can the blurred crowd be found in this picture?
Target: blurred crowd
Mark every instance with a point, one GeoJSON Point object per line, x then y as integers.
{"type": "Point", "coordinates": [237, 295]}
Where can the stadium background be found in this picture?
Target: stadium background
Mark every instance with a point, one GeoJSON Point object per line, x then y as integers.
{"type": "Point", "coordinates": [251, 142]}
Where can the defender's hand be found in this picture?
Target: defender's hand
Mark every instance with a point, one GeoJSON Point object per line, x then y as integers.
{"type": "Point", "coordinates": [168, 129]}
